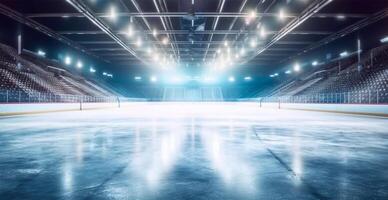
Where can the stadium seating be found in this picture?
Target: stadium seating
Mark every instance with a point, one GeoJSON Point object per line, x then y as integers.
{"type": "Point", "coordinates": [28, 74]}
{"type": "Point", "coordinates": [367, 84]}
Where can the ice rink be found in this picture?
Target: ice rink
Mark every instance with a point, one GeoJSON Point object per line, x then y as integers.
{"type": "Point", "coordinates": [193, 151]}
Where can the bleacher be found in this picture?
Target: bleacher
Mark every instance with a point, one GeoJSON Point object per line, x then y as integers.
{"type": "Point", "coordinates": [29, 74]}
{"type": "Point", "coordinates": [370, 82]}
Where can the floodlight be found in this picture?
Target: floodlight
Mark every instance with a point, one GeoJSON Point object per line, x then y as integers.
{"type": "Point", "coordinates": [296, 67]}
{"type": "Point", "coordinates": [282, 15]}
{"type": "Point", "coordinates": [41, 53]}
{"type": "Point", "coordinates": [139, 42]}
{"type": "Point", "coordinates": [155, 33]}
{"type": "Point", "coordinates": [384, 40]}
{"type": "Point", "coordinates": [231, 79]}
{"type": "Point", "coordinates": [112, 13]}
{"type": "Point", "coordinates": [79, 64]}
{"type": "Point", "coordinates": [263, 32]}
{"type": "Point", "coordinates": [165, 41]}
{"type": "Point", "coordinates": [67, 60]}
{"type": "Point", "coordinates": [153, 79]}
{"type": "Point", "coordinates": [344, 54]}
{"type": "Point", "coordinates": [247, 78]}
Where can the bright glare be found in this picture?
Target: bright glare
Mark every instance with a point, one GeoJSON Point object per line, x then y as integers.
{"type": "Point", "coordinates": [155, 33]}
{"type": "Point", "coordinates": [80, 64]}
{"type": "Point", "coordinates": [384, 40]}
{"type": "Point", "coordinates": [139, 42]}
{"type": "Point", "coordinates": [153, 79]}
{"type": "Point", "coordinates": [226, 43]}
{"type": "Point", "coordinates": [282, 15]}
{"type": "Point", "coordinates": [165, 41]}
{"type": "Point", "coordinates": [41, 53]}
{"type": "Point", "coordinates": [250, 17]}
{"type": "Point", "coordinates": [253, 43]}
{"type": "Point", "coordinates": [263, 32]}
{"type": "Point", "coordinates": [92, 70]}
{"type": "Point", "coordinates": [130, 31]}
{"type": "Point", "coordinates": [247, 78]}
{"type": "Point", "coordinates": [149, 50]}
{"type": "Point", "coordinates": [67, 60]}
{"type": "Point", "coordinates": [344, 54]}
{"type": "Point", "coordinates": [112, 13]}
{"type": "Point", "coordinates": [252, 14]}
{"type": "Point", "coordinates": [231, 79]}
{"type": "Point", "coordinates": [138, 78]}
{"type": "Point", "coordinates": [288, 72]}
{"type": "Point", "coordinates": [296, 67]}
{"type": "Point", "coordinates": [242, 51]}
{"type": "Point", "coordinates": [315, 63]}
{"type": "Point", "coordinates": [341, 17]}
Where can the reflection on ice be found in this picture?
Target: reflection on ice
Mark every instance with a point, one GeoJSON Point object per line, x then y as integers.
{"type": "Point", "coordinates": [234, 170]}
{"type": "Point", "coordinates": [154, 161]}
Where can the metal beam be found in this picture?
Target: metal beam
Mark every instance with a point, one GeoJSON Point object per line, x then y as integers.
{"type": "Point", "coordinates": [313, 8]}
{"type": "Point", "coordinates": [183, 32]}
{"type": "Point", "coordinates": [82, 8]}
{"type": "Point", "coordinates": [220, 7]}
{"type": "Point", "coordinates": [197, 14]}
{"type": "Point", "coordinates": [189, 43]}
{"type": "Point", "coordinates": [193, 49]}
{"type": "Point", "coordinates": [41, 28]}
{"type": "Point", "coordinates": [346, 31]}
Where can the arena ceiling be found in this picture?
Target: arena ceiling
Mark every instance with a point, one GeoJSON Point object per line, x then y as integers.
{"type": "Point", "coordinates": [195, 32]}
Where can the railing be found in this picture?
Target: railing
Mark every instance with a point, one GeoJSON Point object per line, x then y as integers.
{"type": "Point", "coordinates": [19, 96]}
{"type": "Point", "coordinates": [356, 97]}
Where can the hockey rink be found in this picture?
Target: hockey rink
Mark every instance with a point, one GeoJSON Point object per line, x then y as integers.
{"type": "Point", "coordinates": [193, 151]}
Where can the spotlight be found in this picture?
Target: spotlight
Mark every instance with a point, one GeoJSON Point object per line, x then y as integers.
{"type": "Point", "coordinates": [253, 43]}
{"type": "Point", "coordinates": [344, 54]}
{"type": "Point", "coordinates": [296, 67]}
{"type": "Point", "coordinates": [231, 79]}
{"type": "Point", "coordinates": [92, 70]}
{"type": "Point", "coordinates": [139, 42]}
{"type": "Point", "coordinates": [138, 78]}
{"type": "Point", "coordinates": [165, 41]}
{"type": "Point", "coordinates": [68, 60]}
{"type": "Point", "coordinates": [263, 32]}
{"type": "Point", "coordinates": [247, 78]}
{"type": "Point", "coordinates": [341, 17]}
{"type": "Point", "coordinates": [130, 31]}
{"type": "Point", "coordinates": [250, 17]}
{"type": "Point", "coordinates": [153, 79]}
{"type": "Point", "coordinates": [149, 50]}
{"type": "Point", "coordinates": [154, 33]}
{"type": "Point", "coordinates": [41, 53]}
{"type": "Point", "coordinates": [384, 40]}
{"type": "Point", "coordinates": [282, 14]}
{"type": "Point", "coordinates": [242, 51]}
{"type": "Point", "coordinates": [315, 63]}
{"type": "Point", "coordinates": [288, 72]}
{"type": "Point", "coordinates": [112, 13]}
{"type": "Point", "coordinates": [80, 64]}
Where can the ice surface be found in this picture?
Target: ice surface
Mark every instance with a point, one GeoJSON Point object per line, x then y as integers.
{"type": "Point", "coordinates": [193, 151]}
